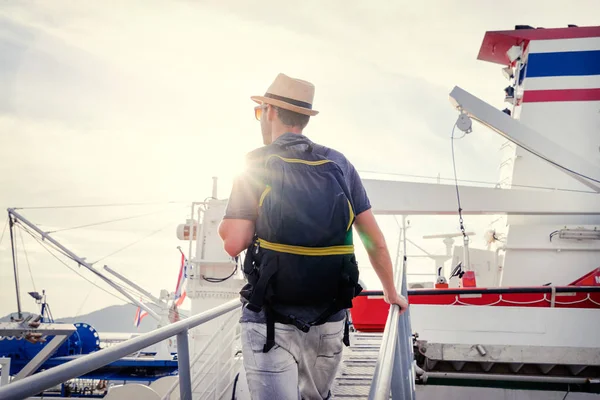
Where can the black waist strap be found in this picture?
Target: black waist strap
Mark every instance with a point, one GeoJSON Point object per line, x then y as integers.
{"type": "Point", "coordinates": [273, 317]}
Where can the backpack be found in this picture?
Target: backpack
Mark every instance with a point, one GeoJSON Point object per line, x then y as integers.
{"type": "Point", "coordinates": [302, 253]}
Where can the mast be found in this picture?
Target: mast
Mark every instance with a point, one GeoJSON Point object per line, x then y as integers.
{"type": "Point", "coordinates": [14, 258]}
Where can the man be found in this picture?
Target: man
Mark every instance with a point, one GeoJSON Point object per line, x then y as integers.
{"type": "Point", "coordinates": [299, 363]}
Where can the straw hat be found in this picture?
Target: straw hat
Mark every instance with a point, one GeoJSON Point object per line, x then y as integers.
{"type": "Point", "coordinates": [291, 94]}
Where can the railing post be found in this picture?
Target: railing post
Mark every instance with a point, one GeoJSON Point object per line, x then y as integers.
{"type": "Point", "coordinates": [183, 365]}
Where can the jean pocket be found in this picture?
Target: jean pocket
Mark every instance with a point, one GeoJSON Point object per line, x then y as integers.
{"type": "Point", "coordinates": [278, 358]}
{"type": "Point", "coordinates": [330, 350]}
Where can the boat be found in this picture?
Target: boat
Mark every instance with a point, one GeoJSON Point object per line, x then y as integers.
{"type": "Point", "coordinates": [518, 319]}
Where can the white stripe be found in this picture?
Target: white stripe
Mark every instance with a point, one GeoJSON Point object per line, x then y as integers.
{"type": "Point", "coordinates": [562, 82]}
{"type": "Point", "coordinates": [562, 45]}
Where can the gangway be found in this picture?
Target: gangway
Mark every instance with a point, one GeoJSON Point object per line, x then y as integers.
{"type": "Point", "coordinates": [393, 359]}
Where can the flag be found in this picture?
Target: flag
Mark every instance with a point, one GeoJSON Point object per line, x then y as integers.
{"type": "Point", "coordinates": [139, 316]}
{"type": "Point", "coordinates": [181, 277]}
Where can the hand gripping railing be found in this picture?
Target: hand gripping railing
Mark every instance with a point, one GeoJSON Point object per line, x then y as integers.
{"type": "Point", "coordinates": [39, 382]}
{"type": "Point", "coordinates": [396, 353]}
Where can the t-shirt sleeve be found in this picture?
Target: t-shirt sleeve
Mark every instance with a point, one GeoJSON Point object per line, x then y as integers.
{"type": "Point", "coordinates": [243, 200]}
{"type": "Point", "coordinates": [357, 191]}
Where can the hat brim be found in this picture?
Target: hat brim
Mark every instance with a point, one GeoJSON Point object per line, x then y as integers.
{"type": "Point", "coordinates": [284, 105]}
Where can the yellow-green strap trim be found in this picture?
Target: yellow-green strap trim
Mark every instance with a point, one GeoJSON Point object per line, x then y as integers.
{"type": "Point", "coordinates": [263, 195]}
{"type": "Point", "coordinates": [307, 251]}
{"type": "Point", "coordinates": [299, 161]}
{"type": "Point", "coordinates": [351, 216]}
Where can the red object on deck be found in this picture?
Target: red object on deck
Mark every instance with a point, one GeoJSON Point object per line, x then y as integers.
{"type": "Point", "coordinates": [369, 312]}
{"type": "Point", "coordinates": [590, 279]}
{"type": "Point", "coordinates": [468, 280]}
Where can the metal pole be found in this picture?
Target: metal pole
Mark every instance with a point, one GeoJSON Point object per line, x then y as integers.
{"type": "Point", "coordinates": [400, 236]}
{"type": "Point", "coordinates": [404, 233]}
{"type": "Point", "coordinates": [41, 381]}
{"type": "Point", "coordinates": [82, 262]}
{"type": "Point", "coordinates": [14, 258]}
{"type": "Point", "coordinates": [195, 228]}
{"type": "Point", "coordinates": [183, 364]}
{"type": "Point", "coordinates": [5, 372]}
{"type": "Point", "coordinates": [507, 377]}
{"type": "Point", "coordinates": [214, 187]}
{"type": "Point", "coordinates": [133, 285]}
{"type": "Point", "coordinates": [466, 253]}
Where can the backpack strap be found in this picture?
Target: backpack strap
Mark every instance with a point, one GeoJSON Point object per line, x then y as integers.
{"type": "Point", "coordinates": [259, 293]}
{"type": "Point", "coordinates": [270, 330]}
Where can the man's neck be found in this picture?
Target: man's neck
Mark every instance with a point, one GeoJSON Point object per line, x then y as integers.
{"type": "Point", "coordinates": [285, 129]}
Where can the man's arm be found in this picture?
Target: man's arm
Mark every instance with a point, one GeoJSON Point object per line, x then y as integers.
{"type": "Point", "coordinates": [237, 227]}
{"type": "Point", "coordinates": [376, 247]}
{"type": "Point", "coordinates": [236, 234]}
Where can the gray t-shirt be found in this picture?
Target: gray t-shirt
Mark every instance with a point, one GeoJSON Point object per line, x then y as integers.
{"type": "Point", "coordinates": [243, 204]}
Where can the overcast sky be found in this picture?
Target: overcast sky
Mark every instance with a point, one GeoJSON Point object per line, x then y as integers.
{"type": "Point", "coordinates": [143, 102]}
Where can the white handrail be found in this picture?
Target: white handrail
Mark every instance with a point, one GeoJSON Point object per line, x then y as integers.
{"type": "Point", "coordinates": [395, 353]}
{"type": "Point", "coordinates": [37, 383]}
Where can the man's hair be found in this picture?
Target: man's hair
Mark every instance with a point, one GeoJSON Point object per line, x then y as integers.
{"type": "Point", "coordinates": [291, 118]}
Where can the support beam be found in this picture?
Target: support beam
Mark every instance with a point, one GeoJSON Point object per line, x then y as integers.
{"type": "Point", "coordinates": [83, 263]}
{"type": "Point", "coordinates": [41, 356]}
{"type": "Point", "coordinates": [5, 373]}
{"type": "Point", "coordinates": [527, 138]}
{"type": "Point", "coordinates": [22, 329]}
{"type": "Point", "coordinates": [411, 198]}
{"type": "Point", "coordinates": [183, 362]}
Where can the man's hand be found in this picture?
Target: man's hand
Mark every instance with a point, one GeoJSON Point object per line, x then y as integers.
{"type": "Point", "coordinates": [394, 298]}
{"type": "Point", "coordinates": [374, 242]}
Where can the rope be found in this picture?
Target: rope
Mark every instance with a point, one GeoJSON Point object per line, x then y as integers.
{"type": "Point", "coordinates": [75, 271]}
{"type": "Point", "coordinates": [4, 230]}
{"type": "Point", "coordinates": [107, 222]}
{"type": "Point", "coordinates": [27, 259]}
{"type": "Point", "coordinates": [460, 217]}
{"type": "Point", "coordinates": [132, 244]}
{"type": "Point", "coordinates": [97, 205]}
{"type": "Point", "coordinates": [493, 184]}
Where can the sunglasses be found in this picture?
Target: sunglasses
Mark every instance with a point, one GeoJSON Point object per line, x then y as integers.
{"type": "Point", "coordinates": [258, 111]}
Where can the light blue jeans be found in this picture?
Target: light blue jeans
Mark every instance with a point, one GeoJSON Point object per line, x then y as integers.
{"type": "Point", "coordinates": [299, 366]}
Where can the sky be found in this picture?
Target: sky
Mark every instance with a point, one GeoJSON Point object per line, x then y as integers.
{"type": "Point", "coordinates": [144, 102]}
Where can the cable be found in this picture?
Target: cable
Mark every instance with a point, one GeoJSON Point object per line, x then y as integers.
{"type": "Point", "coordinates": [219, 280]}
{"type": "Point", "coordinates": [54, 247]}
{"type": "Point", "coordinates": [553, 234]}
{"type": "Point", "coordinates": [561, 167]}
{"type": "Point", "coordinates": [125, 288]}
{"type": "Point", "coordinates": [75, 271]}
{"type": "Point", "coordinates": [4, 230]}
{"type": "Point", "coordinates": [131, 244]}
{"type": "Point", "coordinates": [27, 259]}
{"type": "Point", "coordinates": [84, 300]}
{"type": "Point", "coordinates": [106, 222]}
{"type": "Point", "coordinates": [475, 181]}
{"type": "Point", "coordinates": [97, 205]}
{"type": "Point", "coordinates": [460, 217]}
